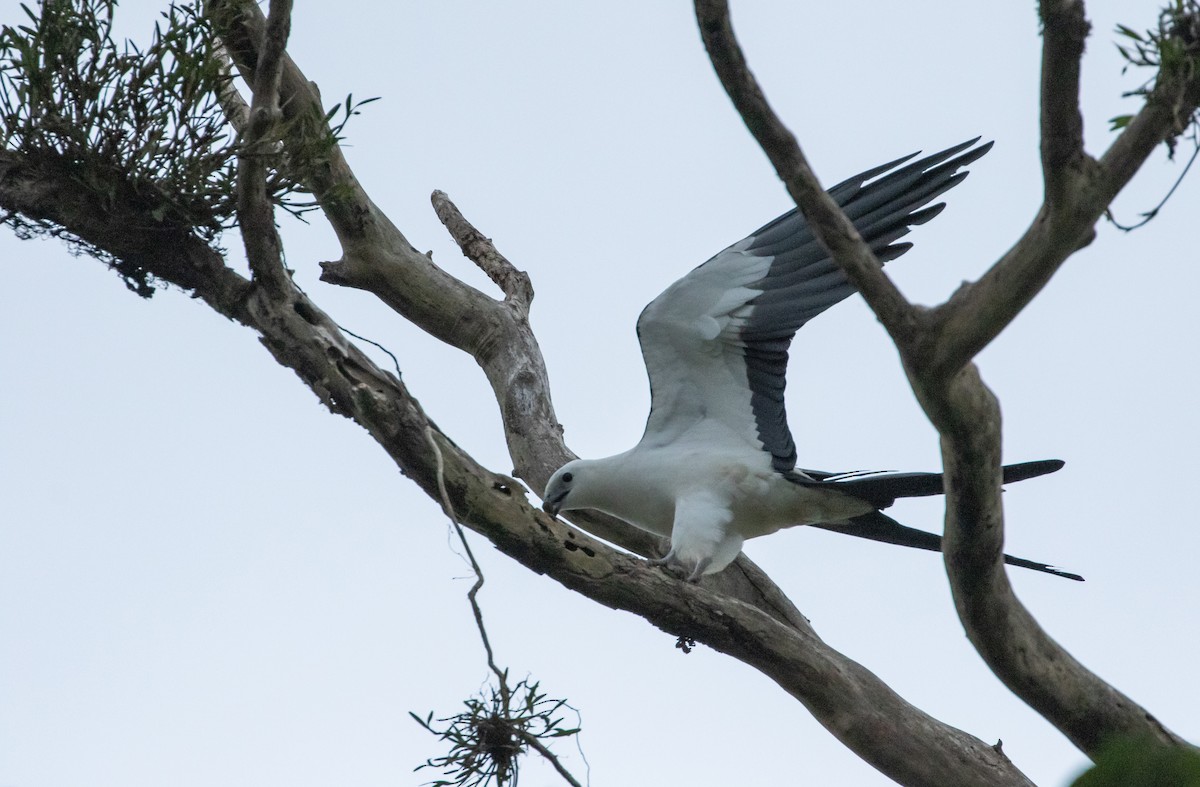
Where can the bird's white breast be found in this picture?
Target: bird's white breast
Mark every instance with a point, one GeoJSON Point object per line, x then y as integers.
{"type": "Point", "coordinates": [643, 486]}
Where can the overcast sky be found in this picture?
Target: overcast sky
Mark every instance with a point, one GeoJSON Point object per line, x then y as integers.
{"type": "Point", "coordinates": [206, 578]}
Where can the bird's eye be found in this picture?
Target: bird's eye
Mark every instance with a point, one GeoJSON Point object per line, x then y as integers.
{"type": "Point", "coordinates": [568, 478]}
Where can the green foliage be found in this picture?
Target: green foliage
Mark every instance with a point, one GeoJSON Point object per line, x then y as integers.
{"type": "Point", "coordinates": [1143, 764]}
{"type": "Point", "coordinates": [1172, 51]}
{"type": "Point", "coordinates": [140, 127]}
{"type": "Point", "coordinates": [149, 119]}
{"type": "Point", "coordinates": [487, 739]}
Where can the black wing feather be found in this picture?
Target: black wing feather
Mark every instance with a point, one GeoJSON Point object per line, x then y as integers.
{"type": "Point", "coordinates": [803, 281]}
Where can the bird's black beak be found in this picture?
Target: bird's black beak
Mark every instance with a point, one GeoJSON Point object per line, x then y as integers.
{"type": "Point", "coordinates": [552, 505]}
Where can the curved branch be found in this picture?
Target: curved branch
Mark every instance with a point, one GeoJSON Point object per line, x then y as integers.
{"type": "Point", "coordinates": [937, 358]}
{"type": "Point", "coordinates": [861, 710]}
{"type": "Point", "coordinates": [1085, 708]}
{"type": "Point", "coordinates": [835, 232]}
{"type": "Point", "coordinates": [1078, 188]}
{"type": "Point", "coordinates": [1080, 704]}
{"type": "Point", "coordinates": [378, 258]}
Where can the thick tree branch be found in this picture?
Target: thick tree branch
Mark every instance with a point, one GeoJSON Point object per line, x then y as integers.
{"type": "Point", "coordinates": [1019, 651]}
{"type": "Point", "coordinates": [123, 230]}
{"type": "Point", "coordinates": [1064, 31]}
{"type": "Point", "coordinates": [937, 358]}
{"type": "Point", "coordinates": [378, 258]}
{"type": "Point", "coordinates": [856, 706]}
{"type": "Point", "coordinates": [834, 231]}
{"type": "Point", "coordinates": [898, 739]}
{"type": "Point", "coordinates": [1081, 705]}
{"type": "Point", "coordinates": [977, 313]}
{"type": "Point", "coordinates": [1078, 188]}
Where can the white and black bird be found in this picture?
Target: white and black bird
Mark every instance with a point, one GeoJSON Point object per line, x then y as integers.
{"type": "Point", "coordinates": [717, 463]}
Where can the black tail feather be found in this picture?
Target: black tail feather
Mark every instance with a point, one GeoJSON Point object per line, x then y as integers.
{"type": "Point", "coordinates": [877, 526]}
{"type": "Point", "coordinates": [883, 489]}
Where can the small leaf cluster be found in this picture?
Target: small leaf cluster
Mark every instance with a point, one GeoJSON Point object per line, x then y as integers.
{"type": "Point", "coordinates": [1172, 50]}
{"type": "Point", "coordinates": [144, 127]}
{"type": "Point", "coordinates": [487, 739]}
{"type": "Point", "coordinates": [119, 117]}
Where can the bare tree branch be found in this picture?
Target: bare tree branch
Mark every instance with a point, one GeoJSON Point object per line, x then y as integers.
{"type": "Point", "coordinates": [862, 711]}
{"type": "Point", "coordinates": [256, 214]}
{"type": "Point", "coordinates": [379, 259]}
{"type": "Point", "coordinates": [937, 358]}
{"type": "Point", "coordinates": [977, 313]}
{"type": "Point", "coordinates": [754, 622]}
{"type": "Point", "coordinates": [1064, 31]}
{"type": "Point", "coordinates": [515, 284]}
{"type": "Point", "coordinates": [831, 227]}
{"type": "Point", "coordinates": [1085, 708]}
{"type": "Point", "coordinates": [1019, 651]}
{"type": "Point", "coordinates": [1078, 188]}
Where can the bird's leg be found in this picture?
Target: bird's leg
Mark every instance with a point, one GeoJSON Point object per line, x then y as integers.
{"type": "Point", "coordinates": [698, 572]}
{"type": "Point", "coordinates": [703, 539]}
{"type": "Point", "coordinates": [665, 560]}
{"type": "Point", "coordinates": [677, 568]}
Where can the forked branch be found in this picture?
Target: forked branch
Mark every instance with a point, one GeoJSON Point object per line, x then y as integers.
{"type": "Point", "coordinates": [379, 259]}
{"type": "Point", "coordinates": [937, 355]}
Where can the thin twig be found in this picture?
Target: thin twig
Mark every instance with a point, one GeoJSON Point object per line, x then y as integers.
{"type": "Point", "coordinates": [501, 675]}
{"type": "Point", "coordinates": [1149, 215]}
{"type": "Point", "coordinates": [390, 354]}
{"type": "Point", "coordinates": [540, 748]}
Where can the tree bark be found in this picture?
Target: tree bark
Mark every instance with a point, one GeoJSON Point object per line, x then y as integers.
{"type": "Point", "coordinates": [937, 346]}
{"type": "Point", "coordinates": [740, 611]}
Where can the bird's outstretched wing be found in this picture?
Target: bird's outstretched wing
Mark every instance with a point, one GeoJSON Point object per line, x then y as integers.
{"type": "Point", "coordinates": [716, 342]}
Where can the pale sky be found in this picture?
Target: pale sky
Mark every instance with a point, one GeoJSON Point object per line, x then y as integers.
{"type": "Point", "coordinates": [205, 578]}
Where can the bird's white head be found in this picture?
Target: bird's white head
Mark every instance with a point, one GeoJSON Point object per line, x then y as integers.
{"type": "Point", "coordinates": [559, 488]}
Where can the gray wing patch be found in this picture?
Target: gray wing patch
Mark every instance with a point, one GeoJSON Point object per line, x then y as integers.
{"type": "Point", "coordinates": [804, 281]}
